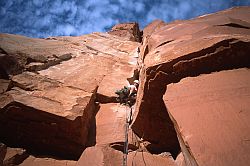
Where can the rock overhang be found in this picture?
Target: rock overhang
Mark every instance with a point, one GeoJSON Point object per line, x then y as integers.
{"type": "Point", "coordinates": [186, 49]}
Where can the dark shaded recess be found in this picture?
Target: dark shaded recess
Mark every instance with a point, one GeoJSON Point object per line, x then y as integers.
{"type": "Point", "coordinates": [153, 122]}
{"type": "Point", "coordinates": [10, 64]}
{"type": "Point", "coordinates": [141, 35]}
{"type": "Point", "coordinates": [92, 128]}
{"type": "Point", "coordinates": [137, 33]}
{"type": "Point", "coordinates": [145, 52]}
{"type": "Point", "coordinates": [3, 73]}
{"type": "Point", "coordinates": [30, 60]}
{"type": "Point", "coordinates": [39, 132]}
{"type": "Point", "coordinates": [166, 42]}
{"type": "Point", "coordinates": [106, 99]}
{"type": "Point", "coordinates": [120, 146]}
{"type": "Point", "coordinates": [235, 25]}
{"type": "Point", "coordinates": [3, 151]}
{"type": "Point", "coordinates": [2, 51]}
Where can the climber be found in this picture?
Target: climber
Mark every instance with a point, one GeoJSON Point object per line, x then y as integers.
{"type": "Point", "coordinates": [127, 95]}
{"type": "Point", "coordinates": [133, 88]}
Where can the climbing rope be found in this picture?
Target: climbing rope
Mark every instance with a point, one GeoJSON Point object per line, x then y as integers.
{"type": "Point", "coordinates": [140, 147]}
{"type": "Point", "coordinates": [127, 123]}
{"type": "Point", "coordinates": [128, 118]}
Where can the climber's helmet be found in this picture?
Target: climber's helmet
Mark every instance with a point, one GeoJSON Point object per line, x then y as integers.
{"type": "Point", "coordinates": [136, 82]}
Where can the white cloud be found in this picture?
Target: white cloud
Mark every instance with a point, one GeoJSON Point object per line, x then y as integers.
{"type": "Point", "coordinates": [140, 7]}
{"type": "Point", "coordinates": [38, 18]}
{"type": "Point", "coordinates": [38, 3]}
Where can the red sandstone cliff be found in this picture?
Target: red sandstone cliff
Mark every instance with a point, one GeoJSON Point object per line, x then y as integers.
{"type": "Point", "coordinates": [57, 95]}
{"type": "Point", "coordinates": [194, 89]}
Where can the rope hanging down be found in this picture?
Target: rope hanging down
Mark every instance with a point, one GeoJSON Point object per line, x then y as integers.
{"type": "Point", "coordinates": [128, 119]}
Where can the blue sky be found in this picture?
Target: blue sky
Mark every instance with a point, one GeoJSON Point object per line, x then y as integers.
{"type": "Point", "coordinates": [43, 18]}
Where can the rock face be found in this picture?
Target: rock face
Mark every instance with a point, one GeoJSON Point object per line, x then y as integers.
{"type": "Point", "coordinates": [145, 158]}
{"type": "Point", "coordinates": [100, 156]}
{"type": "Point", "coordinates": [12, 156]}
{"type": "Point", "coordinates": [129, 31]}
{"type": "Point", "coordinates": [31, 161]}
{"type": "Point", "coordinates": [57, 100]}
{"type": "Point", "coordinates": [196, 111]}
{"type": "Point", "coordinates": [111, 119]}
{"type": "Point", "coordinates": [94, 156]}
{"type": "Point", "coordinates": [217, 107]}
{"type": "Point", "coordinates": [50, 87]}
{"type": "Point", "coordinates": [18, 53]}
{"type": "Point", "coordinates": [18, 156]}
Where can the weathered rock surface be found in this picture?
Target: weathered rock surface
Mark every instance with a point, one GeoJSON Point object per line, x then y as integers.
{"type": "Point", "coordinates": [4, 85]}
{"type": "Point", "coordinates": [18, 156]}
{"type": "Point", "coordinates": [151, 28]}
{"type": "Point", "coordinates": [37, 114]}
{"type": "Point", "coordinates": [45, 161]}
{"type": "Point", "coordinates": [183, 49]}
{"type": "Point", "coordinates": [110, 124]}
{"type": "Point", "coordinates": [12, 156]}
{"type": "Point", "coordinates": [145, 158]}
{"type": "Point", "coordinates": [110, 128]}
{"type": "Point", "coordinates": [51, 111]}
{"type": "Point", "coordinates": [100, 156]}
{"type": "Point", "coordinates": [211, 114]}
{"type": "Point", "coordinates": [57, 94]}
{"type": "Point", "coordinates": [104, 155]}
{"type": "Point", "coordinates": [18, 53]}
{"type": "Point", "coordinates": [180, 160]}
{"type": "Point", "coordinates": [129, 31]}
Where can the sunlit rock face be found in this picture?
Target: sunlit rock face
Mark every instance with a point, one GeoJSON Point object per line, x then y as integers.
{"type": "Point", "coordinates": [201, 67]}
{"type": "Point", "coordinates": [49, 89]}
{"type": "Point", "coordinates": [107, 156]}
{"type": "Point", "coordinates": [128, 31]}
{"type": "Point", "coordinates": [57, 100]}
{"type": "Point", "coordinates": [211, 116]}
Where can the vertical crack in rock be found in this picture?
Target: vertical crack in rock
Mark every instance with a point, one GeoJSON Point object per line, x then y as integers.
{"type": "Point", "coordinates": [153, 122]}
{"type": "Point", "coordinates": [68, 110]}
{"type": "Point", "coordinates": [186, 151]}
